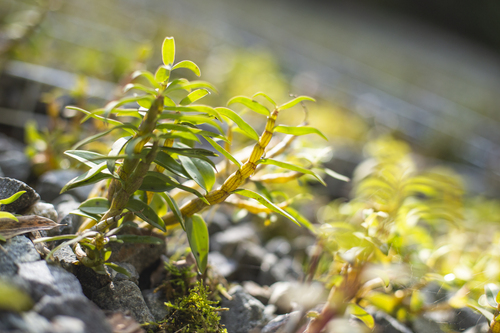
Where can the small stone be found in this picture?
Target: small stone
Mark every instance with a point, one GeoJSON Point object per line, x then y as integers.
{"type": "Point", "coordinates": [224, 266]}
{"type": "Point", "coordinates": [250, 257]}
{"type": "Point", "coordinates": [65, 257]}
{"type": "Point", "coordinates": [156, 303]}
{"type": "Point", "coordinates": [279, 246]}
{"type": "Point", "coordinates": [15, 164]}
{"type": "Point", "coordinates": [51, 183]}
{"type": "Point", "coordinates": [123, 296]}
{"type": "Point", "coordinates": [74, 306]}
{"type": "Point", "coordinates": [261, 293]}
{"type": "Point", "coordinates": [66, 324]}
{"type": "Point", "coordinates": [30, 322]}
{"type": "Point", "coordinates": [43, 209]}
{"type": "Point", "coordinates": [16, 250]}
{"type": "Point", "coordinates": [245, 313]}
{"type": "Point", "coordinates": [9, 187]}
{"type": "Point", "coordinates": [228, 240]}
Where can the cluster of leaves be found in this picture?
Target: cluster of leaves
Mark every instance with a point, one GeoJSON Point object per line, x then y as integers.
{"type": "Point", "coordinates": [402, 230]}
{"type": "Point", "coordinates": [155, 158]}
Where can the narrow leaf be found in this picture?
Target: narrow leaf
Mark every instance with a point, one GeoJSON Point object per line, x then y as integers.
{"type": "Point", "coordinates": [300, 130]}
{"type": "Point", "coordinates": [295, 101]}
{"type": "Point", "coordinates": [184, 128]}
{"type": "Point", "coordinates": [168, 162]}
{"type": "Point", "coordinates": [115, 150]}
{"type": "Point", "coordinates": [197, 234]}
{"type": "Point", "coordinates": [336, 175]}
{"type": "Point", "coordinates": [89, 158]}
{"type": "Point", "coordinates": [292, 167]}
{"type": "Point", "coordinates": [251, 104]}
{"type": "Point", "coordinates": [489, 316]}
{"type": "Point", "coordinates": [265, 202]}
{"type": "Point", "coordinates": [174, 208]}
{"type": "Point", "coordinates": [118, 268]}
{"type": "Point", "coordinates": [156, 182]}
{"type": "Point", "coordinates": [223, 151]}
{"type": "Point", "coordinates": [194, 96]}
{"type": "Point", "coordinates": [194, 172]}
{"type": "Point", "coordinates": [143, 211]}
{"type": "Point", "coordinates": [270, 100]}
{"type": "Point", "coordinates": [189, 65]}
{"type": "Point", "coordinates": [12, 198]}
{"type": "Point", "coordinates": [300, 218]}
{"type": "Point", "coordinates": [362, 315]}
{"type": "Point", "coordinates": [162, 74]}
{"type": "Point", "coordinates": [147, 75]}
{"type": "Point", "coordinates": [92, 176]}
{"type": "Point", "coordinates": [244, 126]}
{"type": "Point", "coordinates": [168, 51]}
{"type": "Point", "coordinates": [192, 152]}
{"type": "Point", "coordinates": [193, 119]}
{"type": "Point", "coordinates": [138, 86]}
{"type": "Point", "coordinates": [140, 239]}
{"type": "Point", "coordinates": [95, 116]}
{"type": "Point", "coordinates": [7, 215]}
{"type": "Point", "coordinates": [24, 224]}
{"type": "Point", "coordinates": [194, 108]}
{"type": "Point", "coordinates": [128, 127]}
{"type": "Point", "coordinates": [94, 206]}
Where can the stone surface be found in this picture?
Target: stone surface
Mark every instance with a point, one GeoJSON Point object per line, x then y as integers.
{"type": "Point", "coordinates": [279, 246]}
{"type": "Point", "coordinates": [43, 209]}
{"type": "Point", "coordinates": [16, 250]}
{"type": "Point", "coordinates": [228, 240]}
{"type": "Point", "coordinates": [249, 257]}
{"type": "Point", "coordinates": [123, 296]}
{"type": "Point", "coordinates": [10, 186]}
{"type": "Point", "coordinates": [224, 266]}
{"type": "Point", "coordinates": [262, 293]}
{"type": "Point", "coordinates": [15, 164]}
{"type": "Point", "coordinates": [219, 222]}
{"type": "Point", "coordinates": [48, 280]}
{"type": "Point", "coordinates": [156, 303]}
{"type": "Point", "coordinates": [74, 306]}
{"type": "Point", "coordinates": [466, 318]}
{"type": "Point", "coordinates": [283, 323]}
{"type": "Point", "coordinates": [284, 269]}
{"type": "Point", "coordinates": [245, 312]}
{"type": "Point", "coordinates": [50, 184]}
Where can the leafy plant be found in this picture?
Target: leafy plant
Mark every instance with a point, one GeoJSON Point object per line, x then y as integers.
{"type": "Point", "coordinates": [155, 159]}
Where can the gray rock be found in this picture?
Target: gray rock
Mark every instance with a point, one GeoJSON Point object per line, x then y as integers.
{"type": "Point", "coordinates": [156, 303]}
{"type": "Point", "coordinates": [283, 323]}
{"type": "Point", "coordinates": [74, 306]}
{"type": "Point", "coordinates": [387, 324]}
{"type": "Point", "coordinates": [9, 187]}
{"type": "Point", "coordinates": [249, 257]}
{"type": "Point", "coordinates": [219, 222]}
{"type": "Point", "coordinates": [224, 266]}
{"type": "Point", "coordinates": [17, 250]}
{"type": "Point", "coordinates": [66, 258]}
{"type": "Point", "coordinates": [261, 293]}
{"type": "Point", "coordinates": [71, 221]}
{"type": "Point", "coordinates": [90, 281]}
{"type": "Point", "coordinates": [15, 164]}
{"type": "Point", "coordinates": [49, 280]}
{"type": "Point", "coordinates": [245, 312]}
{"type": "Point", "coordinates": [9, 144]}
{"type": "Point", "coordinates": [28, 322]}
{"type": "Point", "coordinates": [43, 209]}
{"type": "Point", "coordinates": [123, 296]}
{"type": "Point", "coordinates": [284, 269]}
{"type": "Point", "coordinates": [227, 241]}
{"type": "Point", "coordinates": [51, 183]}
{"type": "Point", "coordinates": [424, 325]}
{"type": "Point", "coordinates": [116, 276]}
{"type": "Point", "coordinates": [466, 318]}
{"type": "Point", "coordinates": [279, 246]}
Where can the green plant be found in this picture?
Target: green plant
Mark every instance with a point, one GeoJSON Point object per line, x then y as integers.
{"type": "Point", "coordinates": [147, 165]}
{"type": "Point", "coordinates": [7, 215]}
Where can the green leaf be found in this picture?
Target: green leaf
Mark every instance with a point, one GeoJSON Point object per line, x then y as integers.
{"type": "Point", "coordinates": [194, 96]}
{"type": "Point", "coordinates": [7, 215]}
{"type": "Point", "coordinates": [361, 314]}
{"type": "Point", "coordinates": [251, 104]}
{"type": "Point", "coordinates": [54, 238]}
{"type": "Point", "coordinates": [86, 215]}
{"type": "Point", "coordinates": [174, 208]}
{"type": "Point", "coordinates": [199, 84]}
{"type": "Point", "coordinates": [201, 172]}
{"type": "Point", "coordinates": [265, 202]}
{"type": "Point", "coordinates": [168, 51]}
{"type": "Point", "coordinates": [193, 130]}
{"type": "Point", "coordinates": [179, 135]}
{"type": "Point", "coordinates": [126, 100]}
{"type": "Point", "coordinates": [131, 145]}
{"type": "Point", "coordinates": [13, 298]}
{"type": "Point", "coordinates": [223, 151]}
{"type": "Point", "coordinates": [115, 151]}
{"type": "Point", "coordinates": [189, 65]}
{"type": "Point", "coordinates": [491, 291]}
{"type": "Point", "coordinates": [72, 241]}
{"type": "Point", "coordinates": [166, 161]}
{"type": "Point", "coordinates": [89, 158]}
{"type": "Point", "coordinates": [270, 100]}
{"type": "Point", "coordinates": [167, 101]}
{"type": "Point", "coordinates": [298, 130]}
{"type": "Point", "coordinates": [138, 86]}
{"type": "Point", "coordinates": [193, 119]}
{"type": "Point", "coordinates": [192, 152]}
{"type": "Point", "coordinates": [300, 218]}
{"type": "Point", "coordinates": [95, 116]}
{"type": "Point", "coordinates": [197, 234]}
{"type": "Point", "coordinates": [117, 268]}
{"type": "Point", "coordinates": [92, 138]}
{"type": "Point", "coordinates": [194, 108]}
{"type": "Point", "coordinates": [244, 126]}
{"type": "Point", "coordinates": [94, 206]}
{"type": "Point", "coordinates": [162, 74]}
{"type": "Point", "coordinates": [92, 176]}
{"type": "Point", "coordinates": [295, 101]}
{"type": "Point", "coordinates": [147, 75]}
{"type": "Point", "coordinates": [140, 239]}
{"type": "Point", "coordinates": [489, 316]}
{"type": "Point", "coordinates": [290, 166]}
{"type": "Point", "coordinates": [143, 211]}
{"type": "Point", "coordinates": [2, 238]}
{"type": "Point", "coordinates": [156, 182]}
{"type": "Point", "coordinates": [336, 175]}
{"type": "Point", "coordinates": [12, 198]}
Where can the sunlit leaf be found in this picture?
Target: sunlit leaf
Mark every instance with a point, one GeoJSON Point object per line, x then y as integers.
{"type": "Point", "coordinates": [201, 173]}
{"type": "Point", "coordinates": [196, 131]}
{"type": "Point", "coordinates": [194, 108]}
{"type": "Point", "coordinates": [156, 182]}
{"type": "Point", "coordinates": [24, 224]}
{"type": "Point", "coordinates": [92, 176]}
{"type": "Point", "coordinates": [223, 151]}
{"type": "Point", "coordinates": [168, 51]}
{"type": "Point", "coordinates": [300, 218]}
{"type": "Point", "coordinates": [12, 198]}
{"type": "Point", "coordinates": [245, 127]}
{"type": "Point", "coordinates": [138, 86]}
{"type": "Point", "coordinates": [292, 167]}
{"type": "Point", "coordinates": [94, 206]}
{"type": "Point", "coordinates": [95, 116]}
{"type": "Point", "coordinates": [489, 316]}
{"type": "Point", "coordinates": [193, 96]}
{"type": "Point", "coordinates": [193, 119]}
{"type": "Point", "coordinates": [147, 75]}
{"type": "Point", "coordinates": [117, 268]}
{"type": "Point", "coordinates": [295, 101]}
{"type": "Point", "coordinates": [249, 103]}
{"type": "Point", "coordinates": [126, 100]}
{"type": "Point", "coordinates": [162, 74]}
{"type": "Point", "coordinates": [13, 298]}
{"type": "Point", "coordinates": [491, 291]}
{"type": "Point", "coordinates": [115, 150]}
{"type": "Point", "coordinates": [146, 213]}
{"type": "Point", "coordinates": [197, 234]}
{"type": "Point", "coordinates": [188, 64]}
{"type": "Point", "coordinates": [336, 175]}
{"type": "Point", "coordinates": [298, 130]}
{"type": "Point", "coordinates": [128, 127]}
{"type": "Point", "coordinates": [270, 100]}
{"type": "Point", "coordinates": [174, 208]}
{"type": "Point", "coordinates": [361, 314]}
{"type": "Point", "coordinates": [384, 302]}
{"type": "Point", "coordinates": [166, 161]}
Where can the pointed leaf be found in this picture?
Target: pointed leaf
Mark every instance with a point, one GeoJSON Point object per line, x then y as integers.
{"type": "Point", "coordinates": [118, 268]}
{"type": "Point", "coordinates": [197, 234]}
{"type": "Point", "coordinates": [156, 182]}
{"type": "Point", "coordinates": [115, 150]}
{"type": "Point", "coordinates": [223, 151]}
{"type": "Point", "coordinates": [265, 202]}
{"type": "Point", "coordinates": [251, 104]}
{"type": "Point", "coordinates": [94, 206]}
{"type": "Point", "coordinates": [89, 158]}
{"type": "Point", "coordinates": [491, 291]}
{"type": "Point", "coordinates": [147, 75]}
{"type": "Point", "coordinates": [194, 96]}
{"type": "Point", "coordinates": [168, 51]}
{"type": "Point", "coordinates": [13, 298]}
{"type": "Point", "coordinates": [245, 127]}
{"type": "Point", "coordinates": [270, 100]}
{"type": "Point", "coordinates": [192, 152]}
{"type": "Point", "coordinates": [174, 208]}
{"type": "Point", "coordinates": [300, 130]}
{"type": "Point", "coordinates": [12, 198]}
{"type": "Point", "coordinates": [193, 119]}
{"type": "Point", "coordinates": [166, 161]}
{"type": "Point", "coordinates": [199, 84]}
{"type": "Point", "coordinates": [292, 167]}
{"type": "Point", "coordinates": [194, 108]}
{"type": "Point", "coordinates": [295, 101]}
{"type": "Point", "coordinates": [128, 127]}
{"type": "Point", "coordinates": [24, 224]}
{"type": "Point", "coordinates": [361, 314]}
{"type": "Point", "coordinates": [143, 211]}
{"type": "Point", "coordinates": [336, 175]}
{"type": "Point", "coordinates": [189, 65]}
{"type": "Point", "coordinates": [92, 176]}
{"type": "Point", "coordinates": [126, 100]}
{"type": "Point", "coordinates": [162, 74]}
{"type": "Point", "coordinates": [95, 116]}
{"type": "Point", "coordinates": [138, 86]}
{"type": "Point", "coordinates": [167, 101]}
{"type": "Point", "coordinates": [196, 174]}
{"type": "Point", "coordinates": [7, 215]}
{"type": "Point", "coordinates": [300, 218]}
{"type": "Point", "coordinates": [194, 130]}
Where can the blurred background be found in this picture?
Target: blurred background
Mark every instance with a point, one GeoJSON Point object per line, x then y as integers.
{"type": "Point", "coordinates": [427, 72]}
